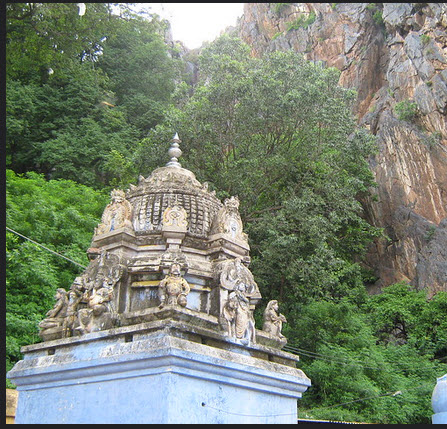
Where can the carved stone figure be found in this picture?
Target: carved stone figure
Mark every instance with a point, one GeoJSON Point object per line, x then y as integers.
{"type": "Point", "coordinates": [117, 214]}
{"type": "Point", "coordinates": [98, 315]}
{"type": "Point", "coordinates": [236, 315]}
{"type": "Point", "coordinates": [228, 220]}
{"type": "Point", "coordinates": [56, 316]}
{"type": "Point", "coordinates": [233, 274]}
{"type": "Point", "coordinates": [89, 304]}
{"type": "Point", "coordinates": [173, 289]}
{"type": "Point", "coordinates": [273, 320]}
{"type": "Point", "coordinates": [76, 295]}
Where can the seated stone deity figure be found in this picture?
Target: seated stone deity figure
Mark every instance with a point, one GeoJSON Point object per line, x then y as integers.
{"type": "Point", "coordinates": [273, 320]}
{"type": "Point", "coordinates": [56, 316]}
{"type": "Point", "coordinates": [98, 315]}
{"type": "Point", "coordinates": [117, 214]}
{"type": "Point", "coordinates": [173, 289]}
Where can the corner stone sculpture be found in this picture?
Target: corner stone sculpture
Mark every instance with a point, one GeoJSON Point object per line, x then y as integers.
{"type": "Point", "coordinates": [117, 214]}
{"type": "Point", "coordinates": [167, 242]}
{"type": "Point", "coordinates": [273, 320]}
{"type": "Point", "coordinates": [88, 306]}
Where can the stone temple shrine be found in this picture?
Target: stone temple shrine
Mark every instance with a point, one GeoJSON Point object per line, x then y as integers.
{"type": "Point", "coordinates": [159, 327]}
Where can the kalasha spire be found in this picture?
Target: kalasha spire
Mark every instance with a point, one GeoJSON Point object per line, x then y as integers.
{"type": "Point", "coordinates": [174, 152]}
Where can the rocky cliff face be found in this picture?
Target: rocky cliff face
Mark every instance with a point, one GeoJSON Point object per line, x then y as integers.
{"type": "Point", "coordinates": [395, 56]}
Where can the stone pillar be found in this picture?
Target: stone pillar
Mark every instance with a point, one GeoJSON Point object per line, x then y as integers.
{"type": "Point", "coordinates": [11, 405]}
{"type": "Point", "coordinates": [439, 401]}
{"type": "Point", "coordinates": [159, 372]}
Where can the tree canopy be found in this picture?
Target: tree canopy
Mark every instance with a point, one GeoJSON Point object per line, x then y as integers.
{"type": "Point", "coordinates": [59, 215]}
{"type": "Point", "coordinates": [279, 133]}
{"type": "Point", "coordinates": [82, 90]}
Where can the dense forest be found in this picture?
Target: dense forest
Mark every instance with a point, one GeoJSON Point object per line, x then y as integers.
{"type": "Point", "coordinates": [93, 100]}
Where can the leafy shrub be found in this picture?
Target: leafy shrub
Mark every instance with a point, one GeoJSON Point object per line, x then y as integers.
{"type": "Point", "coordinates": [302, 22]}
{"type": "Point", "coordinates": [406, 110]}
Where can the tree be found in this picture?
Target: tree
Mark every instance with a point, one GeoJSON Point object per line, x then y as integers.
{"type": "Point", "coordinates": [60, 215]}
{"type": "Point", "coordinates": [142, 70]}
{"type": "Point", "coordinates": [279, 133]}
{"type": "Point", "coordinates": [402, 315]}
{"type": "Point", "coordinates": [82, 90]}
{"type": "Point", "coordinates": [355, 378]}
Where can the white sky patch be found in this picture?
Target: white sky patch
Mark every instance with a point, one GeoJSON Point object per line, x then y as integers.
{"type": "Point", "coordinates": [195, 23]}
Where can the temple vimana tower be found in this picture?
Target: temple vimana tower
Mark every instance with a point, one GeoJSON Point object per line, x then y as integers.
{"type": "Point", "coordinates": [159, 328]}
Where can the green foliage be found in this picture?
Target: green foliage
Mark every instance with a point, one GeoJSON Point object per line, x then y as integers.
{"type": "Point", "coordinates": [354, 378]}
{"type": "Point", "coordinates": [376, 9]}
{"type": "Point", "coordinates": [377, 17]}
{"type": "Point", "coordinates": [60, 215]}
{"type": "Point", "coordinates": [278, 8]}
{"type": "Point", "coordinates": [278, 132]}
{"type": "Point", "coordinates": [111, 80]}
{"type": "Point", "coordinates": [425, 39]}
{"type": "Point", "coordinates": [403, 315]}
{"type": "Point", "coordinates": [302, 21]}
{"type": "Point", "coordinates": [406, 110]}
{"type": "Point", "coordinates": [142, 73]}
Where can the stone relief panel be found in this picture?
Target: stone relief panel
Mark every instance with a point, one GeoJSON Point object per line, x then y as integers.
{"type": "Point", "coordinates": [175, 217]}
{"type": "Point", "coordinates": [149, 211]}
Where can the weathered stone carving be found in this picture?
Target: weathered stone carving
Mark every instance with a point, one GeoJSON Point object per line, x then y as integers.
{"type": "Point", "coordinates": [273, 320]}
{"type": "Point", "coordinates": [154, 195]}
{"type": "Point", "coordinates": [173, 289]}
{"type": "Point", "coordinates": [235, 275]}
{"type": "Point", "coordinates": [228, 220]}
{"type": "Point", "coordinates": [178, 226]}
{"type": "Point", "coordinates": [76, 296]}
{"type": "Point", "coordinates": [99, 312]}
{"type": "Point", "coordinates": [53, 324]}
{"type": "Point", "coordinates": [175, 217]}
{"type": "Point", "coordinates": [88, 306]}
{"type": "Point", "coordinates": [236, 316]}
{"type": "Point", "coordinates": [117, 214]}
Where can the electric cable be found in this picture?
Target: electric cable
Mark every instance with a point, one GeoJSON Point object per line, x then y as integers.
{"type": "Point", "coordinates": [246, 415]}
{"type": "Point", "coordinates": [46, 248]}
{"type": "Point", "coordinates": [295, 350]}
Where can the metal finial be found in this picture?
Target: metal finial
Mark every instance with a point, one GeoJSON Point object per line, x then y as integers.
{"type": "Point", "coordinates": [174, 152]}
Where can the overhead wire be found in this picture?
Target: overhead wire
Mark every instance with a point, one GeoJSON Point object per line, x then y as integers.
{"type": "Point", "coordinates": [246, 415]}
{"type": "Point", "coordinates": [44, 247]}
{"type": "Point", "coordinates": [396, 393]}
{"type": "Point", "coordinates": [295, 350]}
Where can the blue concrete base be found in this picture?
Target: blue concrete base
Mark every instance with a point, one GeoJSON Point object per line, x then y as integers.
{"type": "Point", "coordinates": [152, 376]}
{"type": "Point", "coordinates": [439, 419]}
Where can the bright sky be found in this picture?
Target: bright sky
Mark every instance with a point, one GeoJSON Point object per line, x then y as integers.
{"type": "Point", "coordinates": [194, 23]}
